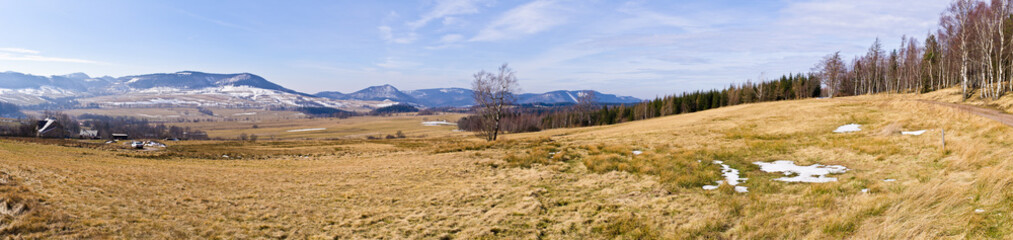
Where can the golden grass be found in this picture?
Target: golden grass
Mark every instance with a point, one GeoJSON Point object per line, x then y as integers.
{"type": "Point", "coordinates": [582, 183]}
{"type": "Point", "coordinates": [952, 95]}
{"type": "Point", "coordinates": [354, 127]}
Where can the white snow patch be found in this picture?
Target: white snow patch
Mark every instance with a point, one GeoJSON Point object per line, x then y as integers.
{"type": "Point", "coordinates": [438, 123]}
{"type": "Point", "coordinates": [865, 190]}
{"type": "Point", "coordinates": [244, 114]}
{"type": "Point", "coordinates": [386, 103]}
{"type": "Point", "coordinates": [741, 189]}
{"type": "Point", "coordinates": [731, 178]}
{"type": "Point", "coordinates": [848, 128]}
{"type": "Point", "coordinates": [571, 96]}
{"type": "Point", "coordinates": [731, 174]}
{"type": "Point", "coordinates": [979, 210]}
{"type": "Point", "coordinates": [815, 173]}
{"type": "Point", "coordinates": [890, 180]}
{"type": "Point", "coordinates": [638, 152]}
{"type": "Point", "coordinates": [915, 133]}
{"type": "Point", "coordinates": [306, 130]}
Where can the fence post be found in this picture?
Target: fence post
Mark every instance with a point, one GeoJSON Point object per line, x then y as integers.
{"type": "Point", "coordinates": [944, 138]}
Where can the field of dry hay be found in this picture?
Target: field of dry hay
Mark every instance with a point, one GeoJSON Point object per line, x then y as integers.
{"type": "Point", "coordinates": [558, 184]}
{"type": "Point", "coordinates": [324, 128]}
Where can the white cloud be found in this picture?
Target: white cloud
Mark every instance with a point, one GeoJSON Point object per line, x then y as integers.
{"type": "Point", "coordinates": [396, 63]}
{"type": "Point", "coordinates": [444, 9]}
{"type": "Point", "coordinates": [19, 50]}
{"type": "Point", "coordinates": [451, 38]}
{"type": "Point", "coordinates": [387, 34]}
{"type": "Point", "coordinates": [530, 18]}
{"type": "Point", "coordinates": [21, 54]}
{"type": "Point", "coordinates": [217, 21]}
{"type": "Point", "coordinates": [850, 19]}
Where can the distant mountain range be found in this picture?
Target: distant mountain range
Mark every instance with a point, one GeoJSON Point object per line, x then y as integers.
{"type": "Point", "coordinates": [241, 90]}
{"type": "Point", "coordinates": [460, 97]}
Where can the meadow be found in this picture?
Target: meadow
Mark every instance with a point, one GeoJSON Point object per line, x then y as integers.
{"type": "Point", "coordinates": [584, 183]}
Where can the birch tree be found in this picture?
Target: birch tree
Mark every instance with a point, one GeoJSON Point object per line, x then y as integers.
{"type": "Point", "coordinates": [494, 93]}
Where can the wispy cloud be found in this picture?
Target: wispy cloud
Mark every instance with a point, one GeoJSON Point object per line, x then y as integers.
{"type": "Point", "coordinates": [387, 34]}
{"type": "Point", "coordinates": [19, 50]}
{"type": "Point", "coordinates": [392, 63]}
{"type": "Point", "coordinates": [530, 18]}
{"type": "Point", "coordinates": [21, 54]}
{"type": "Point", "coordinates": [217, 21]}
{"type": "Point", "coordinates": [444, 9]}
{"type": "Point", "coordinates": [394, 31]}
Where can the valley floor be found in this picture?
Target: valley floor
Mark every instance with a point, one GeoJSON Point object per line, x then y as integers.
{"type": "Point", "coordinates": [582, 183]}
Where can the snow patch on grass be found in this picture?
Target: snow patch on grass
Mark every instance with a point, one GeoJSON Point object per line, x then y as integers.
{"type": "Point", "coordinates": [815, 173]}
{"type": "Point", "coordinates": [915, 133]}
{"type": "Point", "coordinates": [848, 128]}
{"type": "Point", "coordinates": [306, 130]}
{"type": "Point", "coordinates": [731, 178]}
{"type": "Point", "coordinates": [438, 123]}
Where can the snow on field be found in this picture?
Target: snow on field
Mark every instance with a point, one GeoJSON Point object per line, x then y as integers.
{"type": "Point", "coordinates": [815, 173]}
{"type": "Point", "coordinates": [438, 123]}
{"type": "Point", "coordinates": [848, 128]}
{"type": "Point", "coordinates": [741, 189]}
{"type": "Point", "coordinates": [306, 130]}
{"type": "Point", "coordinates": [915, 133]}
{"type": "Point", "coordinates": [244, 114]}
{"type": "Point", "coordinates": [638, 152]}
{"type": "Point", "coordinates": [731, 178]}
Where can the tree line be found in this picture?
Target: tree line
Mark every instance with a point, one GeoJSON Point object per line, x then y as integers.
{"type": "Point", "coordinates": [972, 48]}
{"type": "Point", "coordinates": [138, 128]}
{"type": "Point", "coordinates": [65, 126]}
{"type": "Point", "coordinates": [588, 113]}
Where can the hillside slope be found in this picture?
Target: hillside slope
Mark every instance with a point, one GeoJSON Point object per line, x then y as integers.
{"type": "Point", "coordinates": [563, 183]}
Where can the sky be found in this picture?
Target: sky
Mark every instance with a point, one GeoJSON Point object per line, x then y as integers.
{"type": "Point", "coordinates": [638, 48]}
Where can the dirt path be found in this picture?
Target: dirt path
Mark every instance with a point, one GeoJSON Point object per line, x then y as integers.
{"type": "Point", "coordinates": [993, 114]}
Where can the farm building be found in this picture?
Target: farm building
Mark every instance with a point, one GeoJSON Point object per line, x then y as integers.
{"type": "Point", "coordinates": [89, 134]}
{"type": "Point", "coordinates": [120, 136]}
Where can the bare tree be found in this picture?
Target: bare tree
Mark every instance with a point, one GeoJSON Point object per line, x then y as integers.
{"type": "Point", "coordinates": [832, 71]}
{"type": "Point", "coordinates": [955, 20]}
{"type": "Point", "coordinates": [585, 104]}
{"type": "Point", "coordinates": [494, 92]}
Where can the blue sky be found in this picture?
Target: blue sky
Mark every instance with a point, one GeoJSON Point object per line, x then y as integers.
{"type": "Point", "coordinates": [638, 48]}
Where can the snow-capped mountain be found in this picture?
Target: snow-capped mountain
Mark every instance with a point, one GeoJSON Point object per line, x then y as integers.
{"type": "Point", "coordinates": [374, 93]}
{"type": "Point", "coordinates": [187, 88]}
{"type": "Point", "coordinates": [199, 80]}
{"type": "Point", "coordinates": [460, 97]}
{"type": "Point", "coordinates": [240, 90]}
{"type": "Point", "coordinates": [443, 97]}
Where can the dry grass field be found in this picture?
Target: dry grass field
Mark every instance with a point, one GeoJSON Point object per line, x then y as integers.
{"type": "Point", "coordinates": [325, 128]}
{"type": "Point", "coordinates": [582, 183]}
